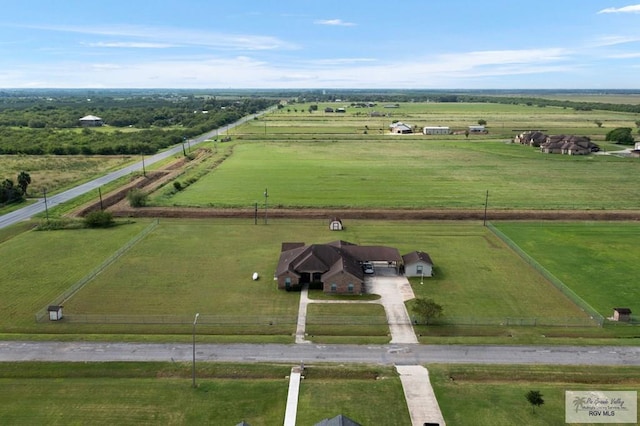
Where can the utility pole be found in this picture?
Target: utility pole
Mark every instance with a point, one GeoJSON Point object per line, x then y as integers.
{"type": "Point", "coordinates": [486, 202]}
{"type": "Point", "coordinates": [46, 208]}
{"type": "Point", "coordinates": [100, 194]}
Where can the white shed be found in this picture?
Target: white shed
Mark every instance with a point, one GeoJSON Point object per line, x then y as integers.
{"type": "Point", "coordinates": [55, 312]}
{"type": "Point", "coordinates": [436, 130]}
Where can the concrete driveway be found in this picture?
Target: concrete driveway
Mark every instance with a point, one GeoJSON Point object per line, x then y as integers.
{"type": "Point", "coordinates": [394, 290]}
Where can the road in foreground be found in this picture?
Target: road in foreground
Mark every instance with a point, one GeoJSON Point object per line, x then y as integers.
{"type": "Point", "coordinates": [310, 353]}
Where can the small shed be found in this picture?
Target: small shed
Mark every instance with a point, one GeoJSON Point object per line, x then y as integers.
{"type": "Point", "coordinates": [622, 314]}
{"type": "Point", "coordinates": [55, 312]}
{"type": "Point", "coordinates": [336, 224]}
{"type": "Point", "coordinates": [436, 130]}
{"type": "Point", "coordinates": [477, 129]}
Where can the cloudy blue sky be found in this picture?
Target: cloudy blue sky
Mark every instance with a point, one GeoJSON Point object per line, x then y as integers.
{"type": "Point", "coordinates": [424, 44]}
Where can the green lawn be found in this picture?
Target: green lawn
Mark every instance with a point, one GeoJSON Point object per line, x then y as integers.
{"type": "Point", "coordinates": [346, 320]}
{"type": "Point", "coordinates": [411, 172]}
{"type": "Point", "coordinates": [597, 260]}
{"type": "Point", "coordinates": [159, 393]}
{"type": "Point", "coordinates": [495, 395]}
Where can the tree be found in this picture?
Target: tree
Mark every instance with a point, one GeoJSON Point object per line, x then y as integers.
{"type": "Point", "coordinates": [621, 135]}
{"type": "Point", "coordinates": [137, 198]}
{"type": "Point", "coordinates": [482, 122]}
{"type": "Point", "coordinates": [426, 309]}
{"type": "Point", "coordinates": [23, 181]}
{"type": "Point", "coordinates": [598, 123]}
{"type": "Point", "coordinates": [535, 399]}
{"type": "Point", "coordinates": [99, 219]}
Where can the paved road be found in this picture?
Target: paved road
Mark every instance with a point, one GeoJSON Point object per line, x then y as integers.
{"type": "Point", "coordinates": [31, 210]}
{"type": "Point", "coordinates": [309, 353]}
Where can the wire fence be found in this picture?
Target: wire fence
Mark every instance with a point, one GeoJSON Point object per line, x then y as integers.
{"type": "Point", "coordinates": [594, 315]}
{"type": "Point", "coordinates": [203, 320]}
{"type": "Point", "coordinates": [68, 293]}
{"type": "Point", "coordinates": [509, 321]}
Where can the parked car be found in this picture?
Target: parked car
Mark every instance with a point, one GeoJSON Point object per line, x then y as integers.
{"type": "Point", "coordinates": [367, 268]}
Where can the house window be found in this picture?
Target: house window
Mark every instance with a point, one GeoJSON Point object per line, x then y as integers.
{"type": "Point", "coordinates": [287, 283]}
{"type": "Point", "coordinates": [334, 288]}
{"type": "Point", "coordinates": [419, 269]}
{"type": "Point", "coordinates": [350, 288]}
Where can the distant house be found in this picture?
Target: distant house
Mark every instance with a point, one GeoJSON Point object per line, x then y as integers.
{"type": "Point", "coordinates": [342, 110]}
{"type": "Point", "coordinates": [531, 138]}
{"type": "Point", "coordinates": [436, 130]}
{"type": "Point", "coordinates": [335, 224]}
{"type": "Point", "coordinates": [328, 109]}
{"type": "Point", "coordinates": [417, 264]}
{"type": "Point", "coordinates": [568, 145]}
{"type": "Point", "coordinates": [400, 128]}
{"type": "Point", "coordinates": [339, 420]}
{"type": "Point", "coordinates": [91, 121]}
{"type": "Point", "coordinates": [622, 314]}
{"type": "Point", "coordinates": [376, 114]}
{"type": "Point", "coordinates": [336, 267]}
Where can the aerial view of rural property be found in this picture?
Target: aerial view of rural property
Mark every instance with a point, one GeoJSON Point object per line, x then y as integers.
{"type": "Point", "coordinates": [320, 214]}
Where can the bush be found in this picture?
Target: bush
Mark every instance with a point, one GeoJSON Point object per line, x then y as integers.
{"type": "Point", "coordinates": [177, 186]}
{"type": "Point", "coordinates": [99, 219]}
{"type": "Point", "coordinates": [137, 198]}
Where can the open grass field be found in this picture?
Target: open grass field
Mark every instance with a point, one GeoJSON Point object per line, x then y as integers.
{"type": "Point", "coordinates": [410, 172]}
{"type": "Point", "coordinates": [55, 172]}
{"type": "Point", "coordinates": [599, 261]}
{"type": "Point", "coordinates": [205, 266]}
{"type": "Point", "coordinates": [495, 395]}
{"type": "Point", "coordinates": [155, 393]}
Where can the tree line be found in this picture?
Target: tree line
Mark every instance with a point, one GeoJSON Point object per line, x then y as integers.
{"type": "Point", "coordinates": [48, 127]}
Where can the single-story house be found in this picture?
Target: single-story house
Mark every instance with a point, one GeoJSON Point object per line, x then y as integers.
{"type": "Point", "coordinates": [400, 128]}
{"type": "Point", "coordinates": [328, 109]}
{"type": "Point", "coordinates": [436, 130]}
{"type": "Point", "coordinates": [417, 264]}
{"type": "Point", "coordinates": [531, 138]}
{"type": "Point", "coordinates": [622, 314]}
{"type": "Point", "coordinates": [568, 145]}
{"type": "Point", "coordinates": [336, 267]}
{"type": "Point", "coordinates": [91, 121]}
{"type": "Point", "coordinates": [477, 129]}
{"type": "Point", "coordinates": [341, 110]}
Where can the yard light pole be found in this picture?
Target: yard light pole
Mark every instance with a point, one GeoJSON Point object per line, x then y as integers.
{"type": "Point", "coordinates": [193, 367]}
{"type": "Point", "coordinates": [266, 195]}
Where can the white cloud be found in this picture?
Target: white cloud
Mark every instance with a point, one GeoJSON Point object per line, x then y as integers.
{"type": "Point", "coordinates": [176, 36]}
{"type": "Point", "coordinates": [131, 45]}
{"type": "Point", "coordinates": [634, 8]}
{"type": "Point", "coordinates": [615, 39]}
{"type": "Point", "coordinates": [334, 22]}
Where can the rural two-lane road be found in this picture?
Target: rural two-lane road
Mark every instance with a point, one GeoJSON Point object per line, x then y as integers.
{"type": "Point", "coordinates": [310, 353]}
{"type": "Point", "coordinates": [31, 210]}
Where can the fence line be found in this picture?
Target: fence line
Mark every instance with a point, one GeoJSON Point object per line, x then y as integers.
{"type": "Point", "coordinates": [203, 320]}
{"type": "Point", "coordinates": [525, 322]}
{"type": "Point", "coordinates": [577, 300]}
{"type": "Point", "coordinates": [61, 298]}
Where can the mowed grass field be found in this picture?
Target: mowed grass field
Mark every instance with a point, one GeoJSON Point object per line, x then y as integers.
{"type": "Point", "coordinates": [411, 172]}
{"type": "Point", "coordinates": [351, 160]}
{"type": "Point", "coordinates": [597, 260]}
{"type": "Point", "coordinates": [494, 395]}
{"type": "Point", "coordinates": [205, 266]}
{"type": "Point", "coordinates": [157, 393]}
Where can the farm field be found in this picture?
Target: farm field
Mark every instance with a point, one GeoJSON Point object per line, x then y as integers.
{"type": "Point", "coordinates": [597, 260]}
{"type": "Point", "coordinates": [410, 172]}
{"type": "Point", "coordinates": [205, 266]}
{"type": "Point", "coordinates": [350, 160]}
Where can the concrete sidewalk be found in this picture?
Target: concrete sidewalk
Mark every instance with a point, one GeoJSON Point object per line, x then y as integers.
{"type": "Point", "coordinates": [421, 401]}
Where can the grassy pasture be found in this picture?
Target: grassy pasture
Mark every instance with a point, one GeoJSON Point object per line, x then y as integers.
{"type": "Point", "coordinates": [599, 261]}
{"type": "Point", "coordinates": [495, 395]}
{"type": "Point", "coordinates": [157, 393]}
{"type": "Point", "coordinates": [56, 172]}
{"type": "Point", "coordinates": [410, 172]}
{"type": "Point", "coordinates": [188, 266]}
